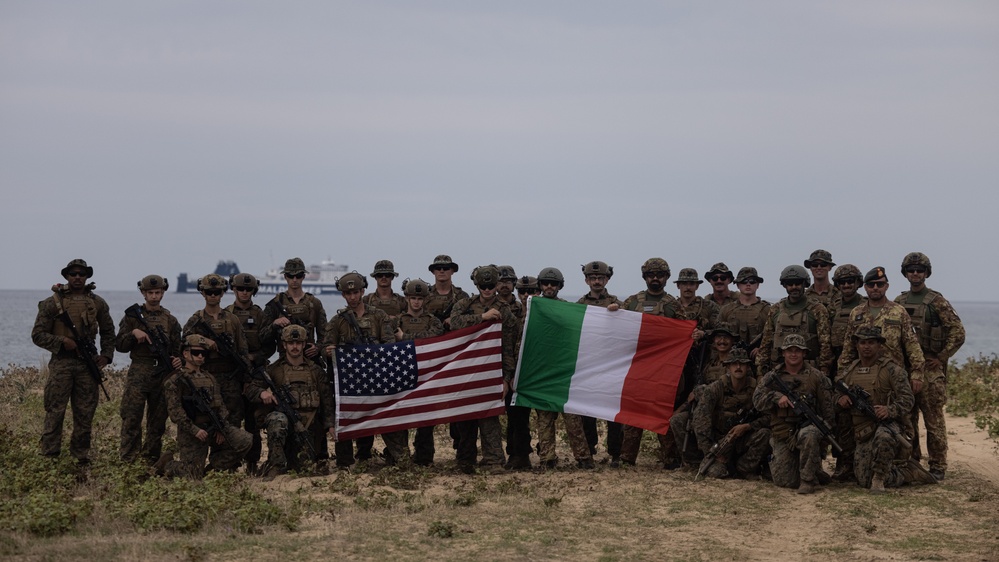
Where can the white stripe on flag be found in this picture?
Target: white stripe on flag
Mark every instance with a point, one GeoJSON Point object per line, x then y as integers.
{"type": "Point", "coordinates": [603, 361]}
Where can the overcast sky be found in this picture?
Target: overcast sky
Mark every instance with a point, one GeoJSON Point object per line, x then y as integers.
{"type": "Point", "coordinates": [160, 137]}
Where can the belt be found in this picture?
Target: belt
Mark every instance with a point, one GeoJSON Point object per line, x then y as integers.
{"type": "Point", "coordinates": [154, 361]}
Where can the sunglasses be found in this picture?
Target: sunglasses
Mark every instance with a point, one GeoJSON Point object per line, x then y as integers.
{"type": "Point", "coordinates": [878, 284]}
{"type": "Point", "coordinates": [197, 352]}
{"type": "Point", "coordinates": [847, 281]}
{"type": "Point", "coordinates": [717, 278]}
{"type": "Point", "coordinates": [245, 289]}
{"type": "Point", "coordinates": [793, 283]}
{"type": "Point", "coordinates": [383, 275]}
{"type": "Point", "coordinates": [213, 292]}
{"type": "Point", "coordinates": [915, 269]}
{"type": "Point", "coordinates": [527, 291]}
{"type": "Point", "coordinates": [548, 283]}
{"type": "Point", "coordinates": [748, 282]}
{"type": "Point", "coordinates": [294, 275]}
{"type": "Point", "coordinates": [654, 275]}
{"type": "Point", "coordinates": [820, 264]}
{"type": "Point", "coordinates": [487, 286]}
{"type": "Point", "coordinates": [441, 268]}
{"type": "Point", "coordinates": [76, 274]}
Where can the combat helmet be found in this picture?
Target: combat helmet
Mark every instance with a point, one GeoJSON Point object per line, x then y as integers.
{"type": "Point", "coordinates": [655, 264]}
{"type": "Point", "coordinates": [527, 282]}
{"type": "Point", "coordinates": [415, 288]}
{"type": "Point", "coordinates": [485, 275]}
{"type": "Point", "coordinates": [294, 332]}
{"type": "Point", "coordinates": [917, 258]}
{"type": "Point", "coordinates": [506, 273]}
{"type": "Point", "coordinates": [153, 282]}
{"type": "Point", "coordinates": [244, 281]}
{"type": "Point", "coordinates": [212, 281]}
{"type": "Point", "coordinates": [551, 274]}
{"type": "Point", "coordinates": [598, 268]}
{"type": "Point", "coordinates": [351, 282]}
{"type": "Point", "coordinates": [795, 273]}
{"type": "Point", "coordinates": [847, 271]}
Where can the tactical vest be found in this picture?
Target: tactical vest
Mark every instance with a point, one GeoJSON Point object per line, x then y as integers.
{"type": "Point", "coordinates": [369, 324]}
{"type": "Point", "coordinates": [695, 312]}
{"type": "Point", "coordinates": [393, 306]}
{"type": "Point", "coordinates": [713, 371]}
{"type": "Point", "coordinates": [841, 322]}
{"type": "Point", "coordinates": [663, 305]}
{"type": "Point", "coordinates": [877, 382]}
{"type": "Point", "coordinates": [216, 363]}
{"type": "Point", "coordinates": [82, 311]}
{"type": "Point", "coordinates": [748, 320]}
{"type": "Point", "coordinates": [249, 320]}
{"type": "Point", "coordinates": [161, 319]}
{"type": "Point", "coordinates": [302, 387]}
{"type": "Point", "coordinates": [201, 381]}
{"type": "Point", "coordinates": [437, 304]}
{"type": "Point", "coordinates": [926, 321]}
{"type": "Point", "coordinates": [733, 404]}
{"type": "Point", "coordinates": [301, 312]}
{"type": "Point", "coordinates": [411, 325]}
{"type": "Point", "coordinates": [784, 420]}
{"type": "Point", "coordinates": [798, 322]}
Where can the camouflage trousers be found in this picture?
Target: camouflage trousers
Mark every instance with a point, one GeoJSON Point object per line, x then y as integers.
{"type": "Point", "coordinates": [225, 456]}
{"type": "Point", "coordinates": [573, 427]}
{"type": "Point", "coordinates": [489, 433]}
{"type": "Point", "coordinates": [681, 434]}
{"type": "Point", "coordinates": [877, 455]}
{"type": "Point", "coordinates": [796, 457]}
{"type": "Point", "coordinates": [69, 382]}
{"type": "Point", "coordinates": [232, 396]}
{"type": "Point", "coordinates": [632, 442]}
{"type": "Point", "coordinates": [844, 435]}
{"type": "Point", "coordinates": [283, 452]}
{"type": "Point", "coordinates": [423, 446]}
{"type": "Point", "coordinates": [143, 395]}
{"type": "Point", "coordinates": [930, 400]}
{"type": "Point", "coordinates": [396, 446]}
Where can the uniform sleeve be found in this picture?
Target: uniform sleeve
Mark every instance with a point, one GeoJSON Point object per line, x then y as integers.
{"type": "Point", "coordinates": [173, 391]}
{"type": "Point", "coordinates": [713, 315]}
{"type": "Point", "coordinates": [462, 315]}
{"type": "Point", "coordinates": [42, 332]}
{"type": "Point", "coordinates": [911, 348]}
{"type": "Point", "coordinates": [765, 397]}
{"type": "Point", "coordinates": [825, 337]}
{"type": "Point", "coordinates": [953, 328]}
{"type": "Point", "coordinates": [763, 360]}
{"type": "Point", "coordinates": [222, 412]}
{"type": "Point", "coordinates": [331, 334]}
{"type": "Point", "coordinates": [105, 326]}
{"type": "Point", "coordinates": [903, 398]}
{"type": "Point", "coordinates": [327, 404]}
{"type": "Point", "coordinates": [824, 400]}
{"type": "Point", "coordinates": [266, 332]}
{"type": "Point", "coordinates": [173, 333]}
{"type": "Point", "coordinates": [124, 342]}
{"type": "Point", "coordinates": [703, 414]}
{"type": "Point", "coordinates": [189, 326]}
{"type": "Point", "coordinates": [849, 353]}
{"type": "Point", "coordinates": [386, 327]}
{"type": "Point", "coordinates": [320, 319]}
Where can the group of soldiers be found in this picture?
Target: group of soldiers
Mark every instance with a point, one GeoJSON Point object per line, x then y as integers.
{"type": "Point", "coordinates": [767, 388]}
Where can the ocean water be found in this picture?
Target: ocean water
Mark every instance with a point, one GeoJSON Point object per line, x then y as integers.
{"type": "Point", "coordinates": [18, 310]}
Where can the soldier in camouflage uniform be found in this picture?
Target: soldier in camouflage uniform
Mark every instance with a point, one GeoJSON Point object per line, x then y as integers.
{"type": "Point", "coordinates": [312, 398]}
{"type": "Point", "coordinates": [796, 314]}
{"type": "Point", "coordinates": [486, 307]}
{"type": "Point", "coordinates": [443, 293]}
{"type": "Point", "coordinates": [69, 380]}
{"type": "Point", "coordinates": [940, 334]}
{"type": "Point", "coordinates": [551, 282]}
{"type": "Point", "coordinates": [504, 289]}
{"type": "Point", "coordinates": [383, 297]}
{"type": "Point", "coordinates": [597, 274]}
{"type": "Point", "coordinates": [719, 406]}
{"type": "Point", "coordinates": [820, 263]}
{"type": "Point", "coordinates": [227, 371]}
{"type": "Point", "coordinates": [357, 324]}
{"type": "Point", "coordinates": [704, 311]}
{"type": "Point", "coordinates": [748, 313]}
{"type": "Point", "coordinates": [295, 306]}
{"type": "Point", "coordinates": [848, 280]}
{"type": "Point", "coordinates": [417, 323]}
{"type": "Point", "coordinates": [882, 448]}
{"type": "Point", "coordinates": [720, 277]}
{"type": "Point", "coordinates": [143, 392]}
{"type": "Point", "coordinates": [195, 433]}
{"type": "Point", "coordinates": [251, 318]}
{"type": "Point", "coordinates": [527, 286]}
{"type": "Point", "coordinates": [797, 451]}
{"type": "Point", "coordinates": [653, 300]}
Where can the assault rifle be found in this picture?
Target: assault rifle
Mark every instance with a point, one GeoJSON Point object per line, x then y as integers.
{"type": "Point", "coordinates": [723, 444]}
{"type": "Point", "coordinates": [285, 402]}
{"type": "Point", "coordinates": [282, 310]}
{"type": "Point", "coordinates": [362, 338]}
{"type": "Point", "coordinates": [698, 381]}
{"type": "Point", "coordinates": [202, 402]}
{"type": "Point", "coordinates": [158, 339]}
{"type": "Point", "coordinates": [861, 400]}
{"type": "Point", "coordinates": [86, 350]}
{"type": "Point", "coordinates": [801, 408]}
{"type": "Point", "coordinates": [446, 313]}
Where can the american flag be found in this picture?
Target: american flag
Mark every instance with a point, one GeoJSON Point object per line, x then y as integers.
{"type": "Point", "coordinates": [394, 386]}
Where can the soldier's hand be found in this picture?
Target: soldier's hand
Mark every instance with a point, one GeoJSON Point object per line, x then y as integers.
{"type": "Point", "coordinates": [311, 350]}
{"type": "Point", "coordinates": [267, 397]}
{"type": "Point", "coordinates": [613, 306]}
{"type": "Point", "coordinates": [917, 386]}
{"type": "Point", "coordinates": [934, 364]}
{"type": "Point", "coordinates": [219, 438]}
{"type": "Point", "coordinates": [329, 351]}
{"type": "Point", "coordinates": [491, 314]}
{"type": "Point", "coordinates": [332, 432]}
{"type": "Point", "coordinates": [101, 361]}
{"type": "Point", "coordinates": [784, 402]}
{"type": "Point", "coordinates": [141, 336]}
{"type": "Point", "coordinates": [176, 363]}
{"type": "Point", "coordinates": [202, 435]}
{"type": "Point", "coordinates": [398, 334]}
{"type": "Point", "coordinates": [69, 344]}
{"type": "Point", "coordinates": [210, 344]}
{"type": "Point", "coordinates": [845, 402]}
{"type": "Point", "coordinates": [754, 352]}
{"type": "Point", "coordinates": [739, 430]}
{"type": "Point", "coordinates": [882, 412]}
{"type": "Point", "coordinates": [698, 334]}
{"type": "Point", "coordinates": [282, 321]}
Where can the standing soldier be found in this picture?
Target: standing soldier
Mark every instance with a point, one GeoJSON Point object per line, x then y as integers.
{"type": "Point", "coordinates": [653, 300]}
{"type": "Point", "coordinates": [357, 324]}
{"type": "Point", "coordinates": [879, 438]}
{"type": "Point", "coordinates": [195, 403]}
{"type": "Point", "coordinates": [748, 314]}
{"type": "Point", "coordinates": [444, 293]}
{"type": "Point", "coordinates": [797, 454]}
{"type": "Point", "coordinates": [704, 311]}
{"type": "Point", "coordinates": [215, 320]}
{"type": "Point", "coordinates": [941, 334]}
{"type": "Point", "coordinates": [720, 277]}
{"type": "Point", "coordinates": [527, 286]}
{"type": "Point", "coordinates": [504, 289]}
{"type": "Point", "coordinates": [820, 263]}
{"type": "Point", "coordinates": [144, 385]}
{"type": "Point", "coordinates": [727, 433]}
{"type": "Point", "coordinates": [251, 318]}
{"type": "Point", "coordinates": [295, 306]}
{"type": "Point", "coordinates": [417, 323]}
{"type": "Point", "coordinates": [597, 274]}
{"type": "Point", "coordinates": [383, 297]}
{"type": "Point", "coordinates": [313, 402]}
{"type": "Point", "coordinates": [485, 307]}
{"type": "Point", "coordinates": [795, 314]}
{"type": "Point", "coordinates": [73, 307]}
{"type": "Point", "coordinates": [847, 279]}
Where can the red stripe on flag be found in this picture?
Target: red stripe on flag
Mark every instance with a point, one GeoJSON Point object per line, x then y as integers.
{"type": "Point", "coordinates": [355, 404]}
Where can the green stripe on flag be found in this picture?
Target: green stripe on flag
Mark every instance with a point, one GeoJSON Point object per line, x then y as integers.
{"type": "Point", "coordinates": [548, 353]}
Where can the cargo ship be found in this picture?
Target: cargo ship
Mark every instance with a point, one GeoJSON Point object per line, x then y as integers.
{"type": "Point", "coordinates": [321, 279]}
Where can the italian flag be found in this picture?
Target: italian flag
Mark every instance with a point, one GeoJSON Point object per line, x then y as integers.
{"type": "Point", "coordinates": [621, 366]}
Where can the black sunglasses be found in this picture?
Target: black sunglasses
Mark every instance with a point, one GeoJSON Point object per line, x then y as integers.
{"type": "Point", "coordinates": [213, 292]}
{"type": "Point", "coordinates": [198, 352]}
{"type": "Point", "coordinates": [294, 275]}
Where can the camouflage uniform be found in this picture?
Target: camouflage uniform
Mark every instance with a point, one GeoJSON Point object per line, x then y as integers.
{"type": "Point", "coordinates": [225, 456]}
{"type": "Point", "coordinates": [69, 381]}
{"type": "Point", "coordinates": [424, 325]}
{"type": "Point", "coordinates": [940, 334]}
{"type": "Point", "coordinates": [829, 299]}
{"type": "Point", "coordinates": [227, 372]}
{"type": "Point", "coordinates": [260, 351]}
{"type": "Point", "coordinates": [615, 431]}
{"type": "Point", "coordinates": [718, 405]}
{"type": "Point", "coordinates": [796, 449]}
{"type": "Point", "coordinates": [896, 327]}
{"type": "Point", "coordinates": [377, 328]}
{"type": "Point", "coordinates": [144, 385]}
{"type": "Point", "coordinates": [307, 312]}
{"type": "Point", "coordinates": [877, 450]}
{"type": "Point", "coordinates": [705, 312]}
{"type": "Point", "coordinates": [468, 312]}
{"type": "Point", "coordinates": [748, 321]}
{"type": "Point", "coordinates": [807, 318]}
{"type": "Point", "coordinates": [310, 390]}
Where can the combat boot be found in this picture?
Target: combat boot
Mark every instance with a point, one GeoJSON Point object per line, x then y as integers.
{"type": "Point", "coordinates": [914, 473]}
{"type": "Point", "coordinates": [878, 484]}
{"type": "Point", "coordinates": [586, 464]}
{"type": "Point", "coordinates": [518, 462]}
{"type": "Point", "coordinates": [806, 487]}
{"type": "Point", "coordinates": [159, 468]}
{"type": "Point", "coordinates": [844, 471]}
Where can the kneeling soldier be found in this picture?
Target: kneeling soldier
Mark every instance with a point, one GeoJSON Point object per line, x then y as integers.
{"type": "Point", "coordinates": [877, 391]}
{"type": "Point", "coordinates": [194, 402]}
{"type": "Point", "coordinates": [310, 396]}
